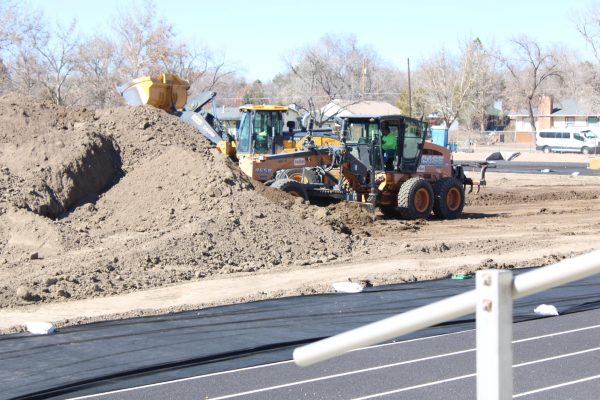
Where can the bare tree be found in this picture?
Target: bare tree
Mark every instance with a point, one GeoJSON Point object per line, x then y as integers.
{"type": "Point", "coordinates": [207, 70]}
{"type": "Point", "coordinates": [333, 68]}
{"type": "Point", "coordinates": [448, 83]}
{"type": "Point", "coordinates": [143, 39]}
{"type": "Point", "coordinates": [233, 90]}
{"type": "Point", "coordinates": [486, 84]}
{"type": "Point", "coordinates": [15, 24]}
{"type": "Point", "coordinates": [587, 23]}
{"type": "Point", "coordinates": [97, 67]}
{"type": "Point", "coordinates": [18, 29]}
{"type": "Point", "coordinates": [57, 53]}
{"type": "Point", "coordinates": [148, 45]}
{"type": "Point", "coordinates": [529, 67]}
{"type": "Point", "coordinates": [418, 102]}
{"type": "Point", "coordinates": [24, 75]}
{"type": "Point", "coordinates": [586, 76]}
{"type": "Point", "coordinates": [388, 82]}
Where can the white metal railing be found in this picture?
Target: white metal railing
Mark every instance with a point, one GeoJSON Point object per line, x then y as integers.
{"type": "Point", "coordinates": [492, 302]}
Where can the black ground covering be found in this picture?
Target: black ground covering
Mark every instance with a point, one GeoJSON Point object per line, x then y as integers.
{"type": "Point", "coordinates": [112, 355]}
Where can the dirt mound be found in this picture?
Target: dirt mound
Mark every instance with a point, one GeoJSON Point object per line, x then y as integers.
{"type": "Point", "coordinates": [54, 171]}
{"type": "Point", "coordinates": [142, 201]}
{"type": "Point", "coordinates": [146, 132]}
{"type": "Point", "coordinates": [23, 118]}
{"type": "Point", "coordinates": [343, 216]}
{"type": "Point", "coordinates": [48, 160]}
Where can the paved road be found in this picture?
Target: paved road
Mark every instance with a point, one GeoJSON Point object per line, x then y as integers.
{"type": "Point", "coordinates": [552, 168]}
{"type": "Point", "coordinates": [554, 358]}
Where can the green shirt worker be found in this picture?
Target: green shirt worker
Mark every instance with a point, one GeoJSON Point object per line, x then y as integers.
{"type": "Point", "coordinates": [261, 141]}
{"type": "Point", "coordinates": [389, 143]}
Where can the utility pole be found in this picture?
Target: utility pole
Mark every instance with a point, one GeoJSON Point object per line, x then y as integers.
{"type": "Point", "coordinates": [409, 90]}
{"type": "Point", "coordinates": [363, 78]}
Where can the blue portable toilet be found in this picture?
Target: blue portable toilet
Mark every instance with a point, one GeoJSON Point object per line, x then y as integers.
{"type": "Point", "coordinates": [439, 135]}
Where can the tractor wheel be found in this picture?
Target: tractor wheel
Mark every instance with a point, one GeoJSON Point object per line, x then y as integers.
{"type": "Point", "coordinates": [449, 198]}
{"type": "Point", "coordinates": [415, 199]}
{"type": "Point", "coordinates": [295, 174]}
{"type": "Point", "coordinates": [292, 187]}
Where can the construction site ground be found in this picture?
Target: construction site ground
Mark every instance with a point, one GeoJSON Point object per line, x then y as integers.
{"type": "Point", "coordinates": [127, 212]}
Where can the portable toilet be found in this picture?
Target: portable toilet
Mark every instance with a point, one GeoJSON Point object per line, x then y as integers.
{"type": "Point", "coordinates": [439, 135]}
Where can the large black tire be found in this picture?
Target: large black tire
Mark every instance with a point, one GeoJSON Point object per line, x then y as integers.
{"type": "Point", "coordinates": [296, 174]}
{"type": "Point", "coordinates": [415, 199]}
{"type": "Point", "coordinates": [449, 198]}
{"type": "Point", "coordinates": [585, 150]}
{"type": "Point", "coordinates": [292, 187]}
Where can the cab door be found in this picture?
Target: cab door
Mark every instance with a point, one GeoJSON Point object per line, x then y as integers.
{"type": "Point", "coordinates": [410, 144]}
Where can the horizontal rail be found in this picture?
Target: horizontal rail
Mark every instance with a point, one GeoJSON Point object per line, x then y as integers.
{"type": "Point", "coordinates": [565, 271]}
{"type": "Point", "coordinates": [528, 283]}
{"type": "Point", "coordinates": [385, 329]}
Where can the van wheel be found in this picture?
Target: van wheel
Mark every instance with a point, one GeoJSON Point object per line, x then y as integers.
{"type": "Point", "coordinates": [546, 149]}
{"type": "Point", "coordinates": [585, 150]}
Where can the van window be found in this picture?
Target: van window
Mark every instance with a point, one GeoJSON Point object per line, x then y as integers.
{"type": "Point", "coordinates": [578, 136]}
{"type": "Point", "coordinates": [547, 135]}
{"type": "Point", "coordinates": [566, 135]}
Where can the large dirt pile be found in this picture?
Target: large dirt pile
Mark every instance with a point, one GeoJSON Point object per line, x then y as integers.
{"type": "Point", "coordinates": [49, 162]}
{"type": "Point", "coordinates": [137, 199]}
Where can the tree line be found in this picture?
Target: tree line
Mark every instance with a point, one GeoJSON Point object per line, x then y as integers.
{"type": "Point", "coordinates": [46, 60]}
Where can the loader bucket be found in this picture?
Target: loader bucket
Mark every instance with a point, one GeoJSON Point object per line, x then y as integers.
{"type": "Point", "coordinates": [166, 91]}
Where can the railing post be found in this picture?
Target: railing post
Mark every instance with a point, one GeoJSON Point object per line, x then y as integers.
{"type": "Point", "coordinates": [494, 311]}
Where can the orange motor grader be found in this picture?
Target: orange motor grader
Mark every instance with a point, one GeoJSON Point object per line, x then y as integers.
{"type": "Point", "coordinates": [413, 179]}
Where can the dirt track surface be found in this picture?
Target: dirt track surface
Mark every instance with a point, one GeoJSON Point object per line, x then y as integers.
{"type": "Point", "coordinates": [128, 212]}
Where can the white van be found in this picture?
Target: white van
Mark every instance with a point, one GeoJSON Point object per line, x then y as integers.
{"type": "Point", "coordinates": [578, 140]}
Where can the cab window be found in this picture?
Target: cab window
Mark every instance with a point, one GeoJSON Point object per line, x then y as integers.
{"type": "Point", "coordinates": [244, 134]}
{"type": "Point", "coordinates": [361, 133]}
{"type": "Point", "coordinates": [268, 127]}
{"type": "Point", "coordinates": [413, 137]}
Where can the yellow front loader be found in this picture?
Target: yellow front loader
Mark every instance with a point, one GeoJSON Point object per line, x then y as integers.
{"type": "Point", "coordinates": [168, 92]}
{"type": "Point", "coordinates": [263, 130]}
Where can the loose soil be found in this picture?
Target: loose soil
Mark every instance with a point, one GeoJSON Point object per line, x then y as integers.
{"type": "Point", "coordinates": [128, 211]}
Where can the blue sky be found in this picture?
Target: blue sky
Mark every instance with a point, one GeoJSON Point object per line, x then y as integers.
{"type": "Point", "coordinates": [255, 35]}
